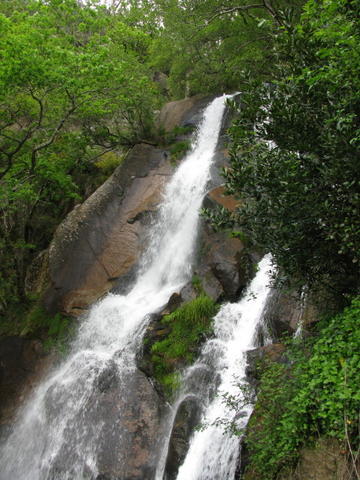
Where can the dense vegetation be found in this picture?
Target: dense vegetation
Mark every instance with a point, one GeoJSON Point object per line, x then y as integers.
{"type": "Point", "coordinates": [74, 86]}
{"type": "Point", "coordinates": [314, 393]}
{"type": "Point", "coordinates": [295, 155]}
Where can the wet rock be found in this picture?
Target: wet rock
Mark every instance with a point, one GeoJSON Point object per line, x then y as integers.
{"type": "Point", "coordinates": [188, 292]}
{"type": "Point", "coordinates": [174, 302]}
{"type": "Point", "coordinates": [187, 418]}
{"type": "Point", "coordinates": [123, 428]}
{"type": "Point", "coordinates": [107, 379]}
{"type": "Point", "coordinates": [128, 442]}
{"type": "Point", "coordinates": [100, 241]}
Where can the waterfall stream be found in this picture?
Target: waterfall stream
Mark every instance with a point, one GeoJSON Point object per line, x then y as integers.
{"type": "Point", "coordinates": [213, 452]}
{"type": "Point", "coordinates": [57, 433]}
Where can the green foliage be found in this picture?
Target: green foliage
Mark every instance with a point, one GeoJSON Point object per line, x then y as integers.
{"type": "Point", "coordinates": [179, 149]}
{"type": "Point", "coordinates": [167, 138]}
{"type": "Point", "coordinates": [190, 324]}
{"type": "Point", "coordinates": [33, 320]}
{"type": "Point", "coordinates": [74, 85]}
{"type": "Point", "coordinates": [196, 283]}
{"type": "Point", "coordinates": [108, 162]}
{"type": "Point", "coordinates": [105, 166]}
{"type": "Point", "coordinates": [301, 193]}
{"type": "Point", "coordinates": [315, 395]}
{"type": "Point", "coordinates": [209, 46]}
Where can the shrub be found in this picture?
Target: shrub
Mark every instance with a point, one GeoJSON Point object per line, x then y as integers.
{"type": "Point", "coordinates": [316, 395]}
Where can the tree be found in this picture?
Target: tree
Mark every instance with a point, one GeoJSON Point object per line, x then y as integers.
{"type": "Point", "coordinates": [301, 191]}
{"type": "Point", "coordinates": [209, 46]}
{"type": "Point", "coordinates": [73, 84]}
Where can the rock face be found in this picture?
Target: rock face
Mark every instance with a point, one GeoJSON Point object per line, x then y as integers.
{"type": "Point", "coordinates": [186, 419]}
{"type": "Point", "coordinates": [124, 434]}
{"type": "Point", "coordinates": [286, 312]}
{"type": "Point", "coordinates": [325, 461]}
{"type": "Point", "coordinates": [98, 245]}
{"type": "Point", "coordinates": [224, 265]}
{"type": "Point", "coordinates": [100, 241]}
{"type": "Point", "coordinates": [22, 362]}
{"type": "Point", "coordinates": [138, 422]}
{"type": "Point", "coordinates": [183, 112]}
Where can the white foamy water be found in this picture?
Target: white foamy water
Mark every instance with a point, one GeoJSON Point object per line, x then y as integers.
{"type": "Point", "coordinates": [213, 452]}
{"type": "Point", "coordinates": [56, 435]}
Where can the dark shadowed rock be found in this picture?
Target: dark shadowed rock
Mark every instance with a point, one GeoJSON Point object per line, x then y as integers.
{"type": "Point", "coordinates": [22, 363]}
{"type": "Point", "coordinates": [224, 266]}
{"type": "Point", "coordinates": [286, 311]}
{"type": "Point", "coordinates": [187, 418]}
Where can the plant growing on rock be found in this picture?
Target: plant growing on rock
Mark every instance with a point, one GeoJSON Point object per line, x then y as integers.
{"type": "Point", "coordinates": [189, 324]}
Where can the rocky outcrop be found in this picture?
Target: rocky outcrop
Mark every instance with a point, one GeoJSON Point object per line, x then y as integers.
{"type": "Point", "coordinates": [98, 245]}
{"type": "Point", "coordinates": [287, 311]}
{"type": "Point", "coordinates": [274, 352]}
{"type": "Point", "coordinates": [183, 112]}
{"type": "Point", "coordinates": [100, 241]}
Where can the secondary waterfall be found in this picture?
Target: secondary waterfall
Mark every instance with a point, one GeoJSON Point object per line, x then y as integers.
{"type": "Point", "coordinates": [213, 451]}
{"type": "Point", "coordinates": [57, 433]}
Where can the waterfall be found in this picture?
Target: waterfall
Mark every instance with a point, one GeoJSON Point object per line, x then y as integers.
{"type": "Point", "coordinates": [58, 431]}
{"type": "Point", "coordinates": [213, 452]}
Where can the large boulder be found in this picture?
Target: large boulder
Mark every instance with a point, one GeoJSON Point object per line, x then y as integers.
{"type": "Point", "coordinates": [120, 428]}
{"type": "Point", "coordinates": [100, 241]}
{"type": "Point", "coordinates": [183, 112]}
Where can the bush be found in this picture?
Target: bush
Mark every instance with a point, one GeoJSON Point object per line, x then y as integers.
{"type": "Point", "coordinates": [316, 395]}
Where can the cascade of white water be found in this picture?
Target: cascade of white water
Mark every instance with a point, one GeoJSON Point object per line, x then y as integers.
{"type": "Point", "coordinates": [213, 452]}
{"type": "Point", "coordinates": [58, 420]}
